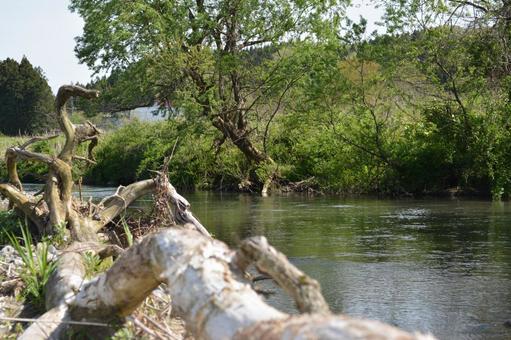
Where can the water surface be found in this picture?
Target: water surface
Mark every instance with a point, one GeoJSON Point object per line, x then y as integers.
{"type": "Point", "coordinates": [440, 266]}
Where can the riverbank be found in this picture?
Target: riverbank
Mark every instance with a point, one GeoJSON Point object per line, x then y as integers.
{"type": "Point", "coordinates": [17, 312]}
{"type": "Point", "coordinates": [132, 152]}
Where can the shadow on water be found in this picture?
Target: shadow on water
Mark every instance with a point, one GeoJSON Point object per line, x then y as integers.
{"type": "Point", "coordinates": [442, 266]}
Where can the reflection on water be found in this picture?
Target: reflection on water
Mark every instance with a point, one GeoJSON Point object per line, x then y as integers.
{"type": "Point", "coordinates": [442, 266]}
{"type": "Point", "coordinates": [438, 266]}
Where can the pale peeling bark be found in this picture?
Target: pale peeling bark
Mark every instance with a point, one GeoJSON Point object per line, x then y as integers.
{"type": "Point", "coordinates": [68, 277]}
{"type": "Point", "coordinates": [49, 326]}
{"type": "Point", "coordinates": [113, 205]}
{"type": "Point", "coordinates": [326, 327]}
{"type": "Point", "coordinates": [208, 292]}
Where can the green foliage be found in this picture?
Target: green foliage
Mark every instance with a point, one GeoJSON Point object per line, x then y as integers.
{"type": "Point", "coordinates": [91, 263]}
{"type": "Point", "coordinates": [127, 232]}
{"type": "Point", "coordinates": [94, 264]}
{"type": "Point", "coordinates": [26, 101]}
{"type": "Point", "coordinates": [60, 235]}
{"type": "Point", "coordinates": [424, 109]}
{"type": "Point", "coordinates": [124, 333]}
{"type": "Point", "coordinates": [37, 267]}
{"type": "Point", "coordinates": [9, 224]}
{"type": "Point", "coordinates": [129, 154]}
{"type": "Point", "coordinates": [196, 60]}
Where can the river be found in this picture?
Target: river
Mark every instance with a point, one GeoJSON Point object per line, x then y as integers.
{"type": "Point", "coordinates": [439, 266]}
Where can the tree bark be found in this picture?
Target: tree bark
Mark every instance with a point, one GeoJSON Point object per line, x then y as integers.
{"type": "Point", "coordinates": [208, 291]}
{"type": "Point", "coordinates": [305, 291]}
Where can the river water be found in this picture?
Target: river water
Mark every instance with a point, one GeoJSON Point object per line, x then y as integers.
{"type": "Point", "coordinates": [439, 266]}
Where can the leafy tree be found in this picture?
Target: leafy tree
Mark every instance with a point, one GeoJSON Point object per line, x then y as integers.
{"type": "Point", "coordinates": [462, 51]}
{"type": "Point", "coordinates": [196, 56]}
{"type": "Point", "coordinates": [26, 101]}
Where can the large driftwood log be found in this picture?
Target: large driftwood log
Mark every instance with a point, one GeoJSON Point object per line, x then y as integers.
{"type": "Point", "coordinates": [208, 291]}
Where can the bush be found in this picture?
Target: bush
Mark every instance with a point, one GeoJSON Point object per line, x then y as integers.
{"type": "Point", "coordinates": [130, 153]}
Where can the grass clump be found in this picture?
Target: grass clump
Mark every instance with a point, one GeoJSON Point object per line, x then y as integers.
{"type": "Point", "coordinates": [94, 264]}
{"type": "Point", "coordinates": [37, 267]}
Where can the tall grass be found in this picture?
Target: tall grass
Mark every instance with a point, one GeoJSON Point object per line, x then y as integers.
{"type": "Point", "coordinates": [127, 232]}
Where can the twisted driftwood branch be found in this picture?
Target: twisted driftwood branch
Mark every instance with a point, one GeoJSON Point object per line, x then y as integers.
{"type": "Point", "coordinates": [65, 92]}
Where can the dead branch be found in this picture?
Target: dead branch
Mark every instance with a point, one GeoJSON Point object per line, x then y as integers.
{"type": "Point", "coordinates": [22, 202]}
{"type": "Point", "coordinates": [37, 139]}
{"type": "Point", "coordinates": [65, 92]}
{"type": "Point", "coordinates": [84, 159]}
{"type": "Point", "coordinates": [305, 291]}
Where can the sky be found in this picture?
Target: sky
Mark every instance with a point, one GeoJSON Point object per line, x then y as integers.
{"type": "Point", "coordinates": [44, 31]}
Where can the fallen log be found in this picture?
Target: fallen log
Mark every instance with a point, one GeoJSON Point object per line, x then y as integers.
{"type": "Point", "coordinates": [208, 291]}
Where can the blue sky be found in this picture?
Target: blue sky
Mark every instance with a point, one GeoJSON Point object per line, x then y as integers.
{"type": "Point", "coordinates": [44, 31]}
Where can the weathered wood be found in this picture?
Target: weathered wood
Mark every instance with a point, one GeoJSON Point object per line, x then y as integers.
{"type": "Point", "coordinates": [49, 326]}
{"type": "Point", "coordinates": [113, 205]}
{"type": "Point", "coordinates": [64, 93]}
{"type": "Point", "coordinates": [201, 275]}
{"type": "Point", "coordinates": [63, 284]}
{"type": "Point", "coordinates": [22, 202]}
{"type": "Point", "coordinates": [205, 292]}
{"type": "Point", "coordinates": [305, 291]}
{"type": "Point", "coordinates": [67, 278]}
{"type": "Point", "coordinates": [315, 326]}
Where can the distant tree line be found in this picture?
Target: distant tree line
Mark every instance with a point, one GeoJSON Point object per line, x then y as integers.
{"type": "Point", "coordinates": [26, 100]}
